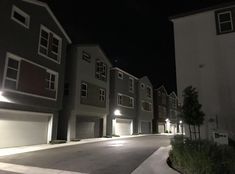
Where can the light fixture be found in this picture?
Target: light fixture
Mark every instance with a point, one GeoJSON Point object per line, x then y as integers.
{"type": "Point", "coordinates": [167, 120]}
{"type": "Point", "coordinates": [117, 112]}
{"type": "Point", "coordinates": [3, 99]}
{"type": "Point", "coordinates": [181, 121]}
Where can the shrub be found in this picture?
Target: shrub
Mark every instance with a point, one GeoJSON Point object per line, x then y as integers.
{"type": "Point", "coordinates": [166, 131]}
{"type": "Point", "coordinates": [201, 157]}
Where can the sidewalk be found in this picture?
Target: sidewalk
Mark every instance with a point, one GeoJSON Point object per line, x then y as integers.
{"type": "Point", "coordinates": [156, 163]}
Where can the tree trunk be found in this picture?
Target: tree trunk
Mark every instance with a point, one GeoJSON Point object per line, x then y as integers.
{"type": "Point", "coordinates": [190, 133]}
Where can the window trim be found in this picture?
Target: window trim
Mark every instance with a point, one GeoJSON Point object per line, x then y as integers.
{"type": "Point", "coordinates": [230, 21]}
{"type": "Point", "coordinates": [120, 95]}
{"type": "Point", "coordinates": [22, 13]}
{"type": "Point", "coordinates": [120, 73]}
{"type": "Point", "coordinates": [59, 46]}
{"type": "Point", "coordinates": [8, 54]}
{"type": "Point", "coordinates": [56, 80]}
{"type": "Point", "coordinates": [86, 56]}
{"type": "Point", "coordinates": [131, 85]}
{"type": "Point", "coordinates": [86, 91]}
{"type": "Point", "coordinates": [99, 74]}
{"type": "Point", "coordinates": [147, 91]}
{"type": "Point", "coordinates": [102, 94]}
{"type": "Point", "coordinates": [142, 108]}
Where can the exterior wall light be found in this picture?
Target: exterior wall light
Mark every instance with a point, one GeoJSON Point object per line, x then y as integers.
{"type": "Point", "coordinates": [181, 121]}
{"type": "Point", "coordinates": [3, 99]}
{"type": "Point", "coordinates": [167, 120]}
{"type": "Point", "coordinates": [117, 112]}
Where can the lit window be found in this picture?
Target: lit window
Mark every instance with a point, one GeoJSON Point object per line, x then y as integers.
{"type": "Point", "coordinates": [20, 16]}
{"type": "Point", "coordinates": [84, 90]}
{"type": "Point", "coordinates": [51, 80]}
{"type": "Point", "coordinates": [50, 44]}
{"type": "Point", "coordinates": [102, 95]}
{"type": "Point", "coordinates": [120, 75]}
{"type": "Point", "coordinates": [131, 84]}
{"type": "Point", "coordinates": [12, 73]}
{"type": "Point", "coordinates": [225, 22]}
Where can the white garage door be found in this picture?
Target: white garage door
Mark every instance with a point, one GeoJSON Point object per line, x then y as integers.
{"type": "Point", "coordinates": [123, 127]}
{"type": "Point", "coordinates": [19, 128]}
{"type": "Point", "coordinates": [161, 128]}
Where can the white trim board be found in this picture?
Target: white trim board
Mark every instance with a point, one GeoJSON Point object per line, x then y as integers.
{"type": "Point", "coordinates": [42, 4]}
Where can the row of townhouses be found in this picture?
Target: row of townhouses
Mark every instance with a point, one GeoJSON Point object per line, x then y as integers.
{"type": "Point", "coordinates": [51, 88]}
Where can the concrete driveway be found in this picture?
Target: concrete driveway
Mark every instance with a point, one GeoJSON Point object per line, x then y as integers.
{"type": "Point", "coordinates": [120, 156]}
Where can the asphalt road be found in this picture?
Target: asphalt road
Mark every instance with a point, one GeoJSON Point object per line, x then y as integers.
{"type": "Point", "coordinates": [120, 156]}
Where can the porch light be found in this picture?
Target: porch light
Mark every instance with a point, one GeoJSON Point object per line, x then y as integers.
{"type": "Point", "coordinates": [3, 99]}
{"type": "Point", "coordinates": [167, 120]}
{"type": "Point", "coordinates": [117, 112]}
{"type": "Point", "coordinates": [181, 121]}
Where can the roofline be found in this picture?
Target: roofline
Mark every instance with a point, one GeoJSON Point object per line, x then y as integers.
{"type": "Point", "coordinates": [116, 68]}
{"type": "Point", "coordinates": [173, 92]}
{"type": "Point", "coordinates": [92, 45]}
{"type": "Point", "coordinates": [161, 87]}
{"type": "Point", "coordinates": [43, 4]}
{"type": "Point", "coordinates": [189, 13]}
{"type": "Point", "coordinates": [147, 78]}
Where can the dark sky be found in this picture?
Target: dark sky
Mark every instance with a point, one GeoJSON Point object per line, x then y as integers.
{"type": "Point", "coordinates": [136, 35]}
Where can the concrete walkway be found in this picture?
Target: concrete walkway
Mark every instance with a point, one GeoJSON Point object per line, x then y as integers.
{"type": "Point", "coordinates": [155, 164]}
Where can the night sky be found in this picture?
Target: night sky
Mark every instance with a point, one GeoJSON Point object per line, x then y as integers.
{"type": "Point", "coordinates": [136, 35]}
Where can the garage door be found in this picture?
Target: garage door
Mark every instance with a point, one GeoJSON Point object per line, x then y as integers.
{"type": "Point", "coordinates": [161, 128]}
{"type": "Point", "coordinates": [145, 127]}
{"type": "Point", "coordinates": [89, 127]}
{"type": "Point", "coordinates": [19, 128]}
{"type": "Point", "coordinates": [123, 127]}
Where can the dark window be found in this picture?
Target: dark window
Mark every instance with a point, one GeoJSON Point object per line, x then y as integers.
{"type": "Point", "coordinates": [86, 56]}
{"type": "Point", "coordinates": [224, 21]}
{"type": "Point", "coordinates": [149, 92]}
{"type": "Point", "coordinates": [120, 75]}
{"type": "Point", "coordinates": [66, 89]}
{"type": "Point", "coordinates": [147, 106]}
{"type": "Point", "coordinates": [51, 81]}
{"type": "Point", "coordinates": [20, 16]}
{"type": "Point", "coordinates": [101, 70]}
{"type": "Point", "coordinates": [84, 90]}
{"type": "Point", "coordinates": [131, 84]}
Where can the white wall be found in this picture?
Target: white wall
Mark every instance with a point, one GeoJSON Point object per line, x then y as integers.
{"type": "Point", "coordinates": [207, 61]}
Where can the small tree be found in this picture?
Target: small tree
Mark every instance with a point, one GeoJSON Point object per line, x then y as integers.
{"type": "Point", "coordinates": [191, 111]}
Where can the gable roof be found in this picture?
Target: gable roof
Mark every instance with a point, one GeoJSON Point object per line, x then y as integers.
{"type": "Point", "coordinates": [145, 78]}
{"type": "Point", "coordinates": [214, 7]}
{"type": "Point", "coordinates": [161, 88]}
{"type": "Point", "coordinates": [116, 68]}
{"type": "Point", "coordinates": [173, 94]}
{"type": "Point", "coordinates": [43, 4]}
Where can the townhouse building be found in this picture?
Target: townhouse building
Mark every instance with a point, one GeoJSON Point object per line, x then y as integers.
{"type": "Point", "coordinates": [204, 53]}
{"type": "Point", "coordinates": [32, 59]}
{"type": "Point", "coordinates": [166, 111]}
{"type": "Point", "coordinates": [123, 88]}
{"type": "Point", "coordinates": [144, 105]}
{"type": "Point", "coordinates": [86, 95]}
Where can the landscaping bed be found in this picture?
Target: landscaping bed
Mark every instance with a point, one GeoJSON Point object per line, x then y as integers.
{"type": "Point", "coordinates": [201, 157]}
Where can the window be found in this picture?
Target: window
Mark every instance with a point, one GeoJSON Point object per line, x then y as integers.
{"type": "Point", "coordinates": [49, 45]}
{"type": "Point", "coordinates": [101, 70]}
{"type": "Point", "coordinates": [149, 92]}
{"type": "Point", "coordinates": [225, 22]}
{"type": "Point", "coordinates": [12, 73]}
{"type": "Point", "coordinates": [51, 80]}
{"type": "Point", "coordinates": [126, 101]}
{"type": "Point", "coordinates": [86, 56]}
{"type": "Point", "coordinates": [146, 106]}
{"type": "Point", "coordinates": [102, 95]}
{"type": "Point", "coordinates": [131, 84]}
{"type": "Point", "coordinates": [20, 16]}
{"type": "Point", "coordinates": [120, 75]}
{"type": "Point", "coordinates": [142, 85]}
{"type": "Point", "coordinates": [159, 93]}
{"type": "Point", "coordinates": [84, 90]}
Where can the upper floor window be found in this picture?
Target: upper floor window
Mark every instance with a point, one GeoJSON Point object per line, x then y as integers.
{"type": "Point", "coordinates": [146, 106]}
{"type": "Point", "coordinates": [101, 70]}
{"type": "Point", "coordinates": [131, 84]}
{"type": "Point", "coordinates": [149, 92]}
{"type": "Point", "coordinates": [102, 95]}
{"type": "Point", "coordinates": [126, 101]}
{"type": "Point", "coordinates": [20, 16]}
{"type": "Point", "coordinates": [12, 73]}
{"type": "Point", "coordinates": [120, 75]}
{"type": "Point", "coordinates": [49, 44]}
{"type": "Point", "coordinates": [51, 80]}
{"type": "Point", "coordinates": [225, 22]}
{"type": "Point", "coordinates": [86, 56]}
{"type": "Point", "coordinates": [84, 89]}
